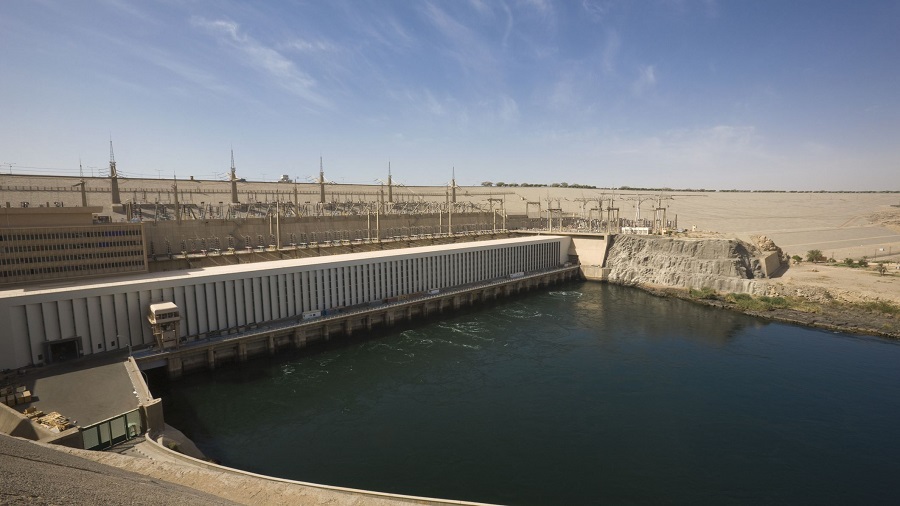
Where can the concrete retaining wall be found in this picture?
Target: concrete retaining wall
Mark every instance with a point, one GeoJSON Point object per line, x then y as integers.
{"type": "Point", "coordinates": [16, 424]}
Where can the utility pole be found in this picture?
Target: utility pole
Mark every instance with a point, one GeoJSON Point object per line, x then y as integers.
{"type": "Point", "coordinates": [277, 226]}
{"type": "Point", "coordinates": [453, 185]}
{"type": "Point", "coordinates": [113, 176]}
{"type": "Point", "coordinates": [491, 202]}
{"type": "Point", "coordinates": [83, 190]}
{"type": "Point", "coordinates": [660, 218]}
{"type": "Point", "coordinates": [390, 185]}
{"type": "Point", "coordinates": [234, 194]}
{"type": "Point", "coordinates": [177, 206]}
{"type": "Point", "coordinates": [321, 184]}
{"type": "Point", "coordinates": [612, 213]}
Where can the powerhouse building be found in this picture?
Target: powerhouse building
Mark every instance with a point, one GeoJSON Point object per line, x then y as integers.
{"type": "Point", "coordinates": [50, 243]}
{"type": "Point", "coordinates": [41, 324]}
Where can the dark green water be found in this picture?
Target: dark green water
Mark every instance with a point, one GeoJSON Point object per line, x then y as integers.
{"type": "Point", "coordinates": [587, 394]}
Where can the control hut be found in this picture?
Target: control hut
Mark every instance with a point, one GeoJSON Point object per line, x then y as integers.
{"type": "Point", "coordinates": [165, 323]}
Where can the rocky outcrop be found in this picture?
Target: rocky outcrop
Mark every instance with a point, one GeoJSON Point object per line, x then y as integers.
{"type": "Point", "coordinates": [725, 265]}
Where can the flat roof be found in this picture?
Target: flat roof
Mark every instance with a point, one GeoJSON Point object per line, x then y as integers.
{"type": "Point", "coordinates": [163, 306]}
{"type": "Point", "coordinates": [232, 271]}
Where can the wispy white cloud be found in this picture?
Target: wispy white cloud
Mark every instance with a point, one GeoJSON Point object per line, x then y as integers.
{"type": "Point", "coordinates": [174, 64]}
{"type": "Point", "coordinates": [131, 9]}
{"type": "Point", "coordinates": [507, 110]}
{"type": "Point", "coordinates": [481, 7]}
{"type": "Point", "coordinates": [597, 9]}
{"type": "Point", "coordinates": [711, 148]}
{"type": "Point", "coordinates": [510, 23]}
{"type": "Point", "coordinates": [563, 95]}
{"type": "Point", "coordinates": [611, 51]}
{"type": "Point", "coordinates": [308, 46]}
{"type": "Point", "coordinates": [432, 104]}
{"type": "Point", "coordinates": [539, 5]}
{"type": "Point", "coordinates": [646, 79]}
{"type": "Point", "coordinates": [710, 8]}
{"type": "Point", "coordinates": [462, 44]}
{"type": "Point", "coordinates": [271, 62]}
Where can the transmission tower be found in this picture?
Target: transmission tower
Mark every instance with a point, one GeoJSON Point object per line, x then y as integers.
{"type": "Point", "coordinates": [390, 185]}
{"type": "Point", "coordinates": [113, 176]}
{"type": "Point", "coordinates": [321, 182]}
{"type": "Point", "coordinates": [234, 193]}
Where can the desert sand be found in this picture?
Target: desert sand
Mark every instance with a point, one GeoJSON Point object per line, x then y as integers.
{"type": "Point", "coordinates": [844, 283]}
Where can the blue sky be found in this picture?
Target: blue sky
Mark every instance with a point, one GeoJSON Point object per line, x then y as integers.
{"type": "Point", "coordinates": [679, 93]}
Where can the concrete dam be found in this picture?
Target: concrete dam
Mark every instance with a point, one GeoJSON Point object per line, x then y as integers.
{"type": "Point", "coordinates": [85, 318]}
{"type": "Point", "coordinates": [320, 294]}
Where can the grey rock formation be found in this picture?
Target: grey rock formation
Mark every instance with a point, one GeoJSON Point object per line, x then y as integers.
{"type": "Point", "coordinates": [725, 265]}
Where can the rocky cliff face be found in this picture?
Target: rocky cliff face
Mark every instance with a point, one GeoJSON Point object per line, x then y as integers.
{"type": "Point", "coordinates": [726, 265]}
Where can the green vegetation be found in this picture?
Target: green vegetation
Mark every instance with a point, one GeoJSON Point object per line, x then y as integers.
{"type": "Point", "coordinates": [879, 306]}
{"type": "Point", "coordinates": [705, 293]}
{"type": "Point", "coordinates": [538, 185]}
{"type": "Point", "coordinates": [797, 259]}
{"type": "Point", "coordinates": [747, 302]}
{"type": "Point", "coordinates": [848, 261]}
{"type": "Point", "coordinates": [815, 255]}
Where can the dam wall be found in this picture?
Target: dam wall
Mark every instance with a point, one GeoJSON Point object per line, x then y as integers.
{"type": "Point", "coordinates": [291, 333]}
{"type": "Point", "coordinates": [108, 314]}
{"type": "Point", "coordinates": [725, 265]}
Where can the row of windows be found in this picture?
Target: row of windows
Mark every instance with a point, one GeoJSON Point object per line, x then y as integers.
{"type": "Point", "coordinates": [20, 248]}
{"type": "Point", "coordinates": [13, 236]}
{"type": "Point", "coordinates": [81, 257]}
{"type": "Point", "coordinates": [98, 268]}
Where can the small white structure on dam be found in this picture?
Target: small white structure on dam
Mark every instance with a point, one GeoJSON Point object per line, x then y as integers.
{"type": "Point", "coordinates": [87, 317]}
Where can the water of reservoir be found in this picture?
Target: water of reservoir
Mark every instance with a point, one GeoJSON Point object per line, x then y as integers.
{"type": "Point", "coordinates": [586, 394]}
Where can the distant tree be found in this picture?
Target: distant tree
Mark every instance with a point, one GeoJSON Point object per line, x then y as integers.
{"type": "Point", "coordinates": [500, 183]}
{"type": "Point", "coordinates": [555, 185]}
{"type": "Point", "coordinates": [881, 268]}
{"type": "Point", "coordinates": [814, 255]}
{"type": "Point", "coordinates": [863, 262]}
{"type": "Point", "coordinates": [564, 185]}
{"type": "Point", "coordinates": [487, 183]}
{"type": "Point", "coordinates": [848, 261]}
{"type": "Point", "coordinates": [797, 259]}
